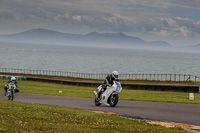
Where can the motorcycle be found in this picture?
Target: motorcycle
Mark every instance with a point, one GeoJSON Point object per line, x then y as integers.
{"type": "Point", "coordinates": [110, 96]}
{"type": "Point", "coordinates": [11, 87]}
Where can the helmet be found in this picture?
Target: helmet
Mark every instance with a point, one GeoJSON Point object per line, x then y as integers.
{"type": "Point", "coordinates": [13, 78]}
{"type": "Point", "coordinates": [115, 74]}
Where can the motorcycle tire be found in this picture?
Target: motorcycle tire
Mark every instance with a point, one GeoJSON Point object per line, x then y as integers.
{"type": "Point", "coordinates": [12, 96]}
{"type": "Point", "coordinates": [97, 102]}
{"type": "Point", "coordinates": [8, 95]}
{"type": "Point", "coordinates": [113, 100]}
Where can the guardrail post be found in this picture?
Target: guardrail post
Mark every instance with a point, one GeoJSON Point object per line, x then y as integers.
{"type": "Point", "coordinates": [174, 77]}
{"type": "Point", "coordinates": [184, 77]}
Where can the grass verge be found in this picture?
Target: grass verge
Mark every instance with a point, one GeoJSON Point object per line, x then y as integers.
{"type": "Point", "coordinates": [23, 117]}
{"type": "Point", "coordinates": [81, 91]}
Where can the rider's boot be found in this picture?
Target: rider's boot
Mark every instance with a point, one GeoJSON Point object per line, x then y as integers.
{"type": "Point", "coordinates": [5, 90]}
{"type": "Point", "coordinates": [101, 91]}
{"type": "Point", "coordinates": [99, 95]}
{"type": "Point", "coordinates": [16, 90]}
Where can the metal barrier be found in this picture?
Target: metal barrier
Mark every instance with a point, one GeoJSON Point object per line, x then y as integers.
{"type": "Point", "coordinates": [9, 77]}
{"type": "Point", "coordinates": [154, 77]}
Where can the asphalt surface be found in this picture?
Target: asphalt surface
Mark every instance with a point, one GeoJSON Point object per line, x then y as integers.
{"type": "Point", "coordinates": [169, 112]}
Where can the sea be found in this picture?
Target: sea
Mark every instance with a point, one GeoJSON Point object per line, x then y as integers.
{"type": "Point", "coordinates": [86, 59]}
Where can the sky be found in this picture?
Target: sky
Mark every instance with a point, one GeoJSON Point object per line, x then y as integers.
{"type": "Point", "coordinates": [174, 21]}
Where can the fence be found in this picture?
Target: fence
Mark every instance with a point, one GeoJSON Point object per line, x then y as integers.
{"type": "Point", "coordinates": [156, 77]}
{"type": "Point", "coordinates": [9, 77]}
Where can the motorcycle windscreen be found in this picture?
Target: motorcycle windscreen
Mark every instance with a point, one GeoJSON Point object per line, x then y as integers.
{"type": "Point", "coordinates": [99, 88]}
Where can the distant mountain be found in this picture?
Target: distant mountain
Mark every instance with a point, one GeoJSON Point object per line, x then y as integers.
{"type": "Point", "coordinates": [194, 48]}
{"type": "Point", "coordinates": [91, 39]}
{"type": "Point", "coordinates": [39, 36]}
{"type": "Point", "coordinates": [113, 38]}
{"type": "Point", "coordinates": [41, 33]}
{"type": "Point", "coordinates": [197, 45]}
{"type": "Point", "coordinates": [160, 43]}
{"type": "Point", "coordinates": [190, 49]}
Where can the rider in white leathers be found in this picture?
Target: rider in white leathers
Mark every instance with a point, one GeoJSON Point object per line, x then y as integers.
{"type": "Point", "coordinates": [13, 80]}
{"type": "Point", "coordinates": [108, 82]}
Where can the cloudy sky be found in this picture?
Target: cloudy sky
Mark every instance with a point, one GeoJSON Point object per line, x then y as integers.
{"type": "Point", "coordinates": [175, 21]}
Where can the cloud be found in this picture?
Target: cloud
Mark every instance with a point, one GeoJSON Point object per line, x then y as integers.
{"type": "Point", "coordinates": [60, 17]}
{"type": "Point", "coordinates": [193, 4]}
{"type": "Point", "coordinates": [77, 17]}
{"type": "Point", "coordinates": [165, 4]}
{"type": "Point", "coordinates": [184, 31]}
{"type": "Point", "coordinates": [147, 17]}
{"type": "Point", "coordinates": [161, 32]}
{"type": "Point", "coordinates": [198, 22]}
{"type": "Point", "coordinates": [7, 16]}
{"type": "Point", "coordinates": [170, 27]}
{"type": "Point", "coordinates": [179, 18]}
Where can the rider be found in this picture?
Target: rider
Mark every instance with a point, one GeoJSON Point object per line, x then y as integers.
{"type": "Point", "coordinates": [12, 80]}
{"type": "Point", "coordinates": [108, 82]}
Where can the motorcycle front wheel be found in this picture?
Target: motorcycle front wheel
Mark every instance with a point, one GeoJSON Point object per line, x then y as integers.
{"type": "Point", "coordinates": [8, 95]}
{"type": "Point", "coordinates": [97, 103]}
{"type": "Point", "coordinates": [114, 100]}
{"type": "Point", "coordinates": [12, 95]}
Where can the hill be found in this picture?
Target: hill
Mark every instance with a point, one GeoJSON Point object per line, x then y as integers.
{"type": "Point", "coordinates": [92, 39]}
{"type": "Point", "coordinates": [197, 45]}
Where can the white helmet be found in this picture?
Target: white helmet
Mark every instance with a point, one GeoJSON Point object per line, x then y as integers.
{"type": "Point", "coordinates": [115, 74]}
{"type": "Point", "coordinates": [13, 78]}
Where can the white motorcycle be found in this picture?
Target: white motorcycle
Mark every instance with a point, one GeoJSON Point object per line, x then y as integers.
{"type": "Point", "coordinates": [110, 96]}
{"type": "Point", "coordinates": [11, 91]}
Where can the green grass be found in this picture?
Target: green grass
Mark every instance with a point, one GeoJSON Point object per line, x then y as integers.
{"type": "Point", "coordinates": [22, 117]}
{"type": "Point", "coordinates": [159, 96]}
{"type": "Point", "coordinates": [81, 91]}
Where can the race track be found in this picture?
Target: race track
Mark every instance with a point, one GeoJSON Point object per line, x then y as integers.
{"type": "Point", "coordinates": [169, 112]}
